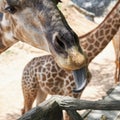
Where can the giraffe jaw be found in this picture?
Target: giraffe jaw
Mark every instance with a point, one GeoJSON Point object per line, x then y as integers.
{"type": "Point", "coordinates": [80, 77]}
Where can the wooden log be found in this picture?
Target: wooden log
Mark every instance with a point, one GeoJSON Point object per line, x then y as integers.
{"type": "Point", "coordinates": [48, 110]}
{"type": "Point", "coordinates": [52, 109]}
{"type": "Point", "coordinates": [76, 104]}
{"type": "Point", "coordinates": [74, 115]}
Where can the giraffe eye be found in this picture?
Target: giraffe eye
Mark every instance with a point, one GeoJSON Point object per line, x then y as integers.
{"type": "Point", "coordinates": [11, 9]}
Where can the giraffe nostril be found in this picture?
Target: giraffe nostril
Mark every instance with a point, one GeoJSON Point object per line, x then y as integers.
{"type": "Point", "coordinates": [59, 43]}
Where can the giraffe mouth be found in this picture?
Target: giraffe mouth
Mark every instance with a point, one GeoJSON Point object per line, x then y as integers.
{"type": "Point", "coordinates": [80, 77]}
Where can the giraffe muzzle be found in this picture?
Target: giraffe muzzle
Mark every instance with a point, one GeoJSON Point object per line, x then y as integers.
{"type": "Point", "coordinates": [80, 77]}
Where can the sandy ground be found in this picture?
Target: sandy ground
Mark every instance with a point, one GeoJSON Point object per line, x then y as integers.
{"type": "Point", "coordinates": [13, 61]}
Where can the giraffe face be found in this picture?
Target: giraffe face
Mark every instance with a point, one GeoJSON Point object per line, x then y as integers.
{"type": "Point", "coordinates": [41, 24]}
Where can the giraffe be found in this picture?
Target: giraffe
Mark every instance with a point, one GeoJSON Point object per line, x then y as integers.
{"type": "Point", "coordinates": [42, 76]}
{"type": "Point", "coordinates": [41, 24]}
{"type": "Point", "coordinates": [116, 45]}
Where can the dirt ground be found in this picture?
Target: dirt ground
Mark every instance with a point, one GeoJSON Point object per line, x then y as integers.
{"type": "Point", "coordinates": [13, 61]}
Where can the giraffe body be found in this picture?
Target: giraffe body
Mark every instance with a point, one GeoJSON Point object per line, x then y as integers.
{"type": "Point", "coordinates": [43, 71]}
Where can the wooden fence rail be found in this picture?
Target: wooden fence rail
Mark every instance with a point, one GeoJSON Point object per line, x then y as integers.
{"type": "Point", "coordinates": [51, 109]}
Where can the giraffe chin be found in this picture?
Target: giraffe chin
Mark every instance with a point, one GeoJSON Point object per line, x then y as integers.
{"type": "Point", "coordinates": [80, 77]}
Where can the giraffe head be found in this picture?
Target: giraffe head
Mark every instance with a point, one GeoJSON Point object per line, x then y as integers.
{"type": "Point", "coordinates": [40, 23]}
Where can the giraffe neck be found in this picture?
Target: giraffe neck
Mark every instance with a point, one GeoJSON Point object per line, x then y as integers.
{"type": "Point", "coordinates": [97, 39]}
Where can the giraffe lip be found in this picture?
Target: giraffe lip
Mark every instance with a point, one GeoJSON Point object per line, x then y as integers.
{"type": "Point", "coordinates": [80, 77]}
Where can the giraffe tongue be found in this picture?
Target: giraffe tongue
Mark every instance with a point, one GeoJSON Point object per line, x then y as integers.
{"type": "Point", "coordinates": [80, 78]}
